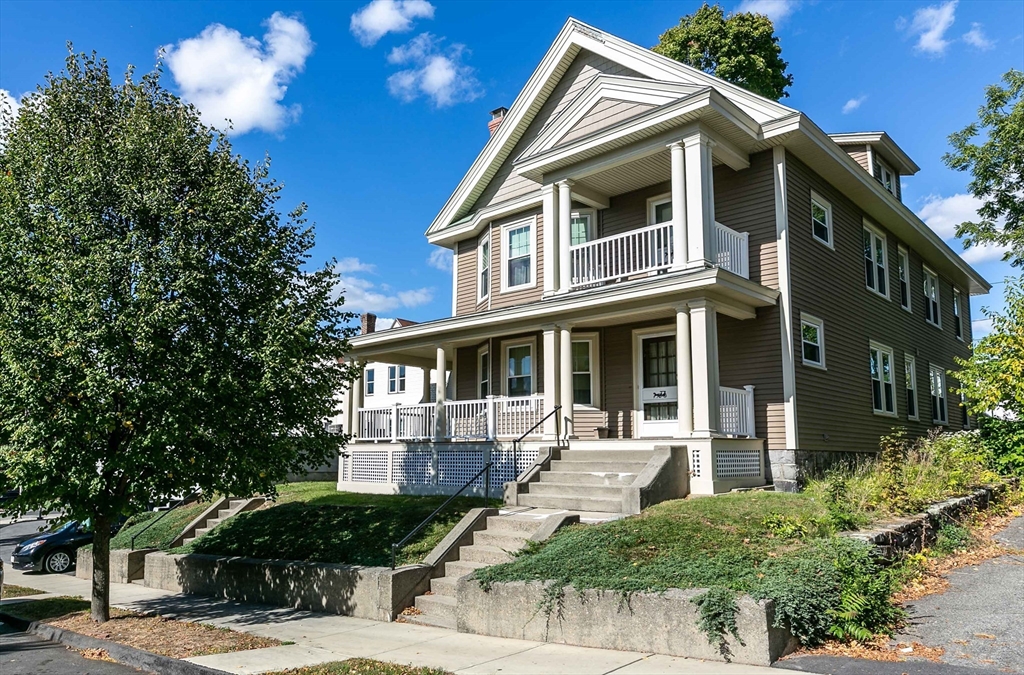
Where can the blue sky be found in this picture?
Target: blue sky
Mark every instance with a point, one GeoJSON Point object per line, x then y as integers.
{"type": "Point", "coordinates": [373, 112]}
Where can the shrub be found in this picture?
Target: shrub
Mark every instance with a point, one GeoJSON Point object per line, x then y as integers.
{"type": "Point", "coordinates": [1004, 442]}
{"type": "Point", "coordinates": [785, 527]}
{"type": "Point", "coordinates": [952, 537]}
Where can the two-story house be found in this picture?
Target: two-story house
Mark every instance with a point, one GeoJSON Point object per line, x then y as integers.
{"type": "Point", "coordinates": [664, 257]}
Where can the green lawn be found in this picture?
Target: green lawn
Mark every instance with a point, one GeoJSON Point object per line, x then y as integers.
{"type": "Point", "coordinates": [12, 591]}
{"type": "Point", "coordinates": [161, 534]}
{"type": "Point", "coordinates": [47, 608]}
{"type": "Point", "coordinates": [361, 667]}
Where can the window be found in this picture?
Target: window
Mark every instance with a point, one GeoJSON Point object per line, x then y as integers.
{"type": "Point", "coordinates": [821, 220]}
{"type": "Point", "coordinates": [584, 369]}
{"type": "Point", "coordinates": [581, 227]}
{"type": "Point", "coordinates": [518, 248]}
{"type": "Point", "coordinates": [910, 378]}
{"type": "Point", "coordinates": [812, 335]}
{"type": "Point", "coordinates": [886, 176]}
{"type": "Point", "coordinates": [396, 379]}
{"type": "Point", "coordinates": [483, 369]}
{"type": "Point", "coordinates": [903, 264]}
{"type": "Point", "coordinates": [483, 266]}
{"type": "Point", "coordinates": [659, 209]}
{"type": "Point", "coordinates": [874, 261]}
{"type": "Point", "coordinates": [883, 400]}
{"type": "Point", "coordinates": [369, 382]}
{"type": "Point", "coordinates": [519, 369]}
{"type": "Point", "coordinates": [958, 322]}
{"type": "Point", "coordinates": [964, 415]}
{"type": "Point", "coordinates": [937, 376]}
{"type": "Point", "coordinates": [931, 298]}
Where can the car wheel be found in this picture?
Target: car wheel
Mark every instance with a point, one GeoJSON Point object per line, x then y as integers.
{"type": "Point", "coordinates": [57, 562]}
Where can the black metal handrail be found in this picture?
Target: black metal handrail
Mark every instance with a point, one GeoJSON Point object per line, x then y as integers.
{"type": "Point", "coordinates": [568, 423]}
{"type": "Point", "coordinates": [416, 530]}
{"type": "Point", "coordinates": [516, 442]}
{"type": "Point", "coordinates": [156, 520]}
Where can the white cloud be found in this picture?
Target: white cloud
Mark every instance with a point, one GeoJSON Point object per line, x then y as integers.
{"type": "Point", "coordinates": [348, 265]}
{"type": "Point", "coordinates": [930, 25]}
{"type": "Point", "coordinates": [9, 102]}
{"type": "Point", "coordinates": [981, 253]}
{"type": "Point", "coordinates": [231, 77]}
{"type": "Point", "coordinates": [441, 259]}
{"type": "Point", "coordinates": [437, 73]}
{"type": "Point", "coordinates": [944, 214]}
{"type": "Point", "coordinates": [981, 328]}
{"type": "Point", "coordinates": [976, 38]}
{"type": "Point", "coordinates": [853, 104]}
{"type": "Point", "coordinates": [381, 17]}
{"type": "Point", "coordinates": [363, 295]}
{"type": "Point", "coordinates": [776, 10]}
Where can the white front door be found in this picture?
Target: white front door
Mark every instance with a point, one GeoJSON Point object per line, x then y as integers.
{"type": "Point", "coordinates": [659, 395]}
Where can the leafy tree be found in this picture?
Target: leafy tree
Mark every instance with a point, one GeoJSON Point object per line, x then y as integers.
{"type": "Point", "coordinates": [159, 328]}
{"type": "Point", "coordinates": [741, 49]}
{"type": "Point", "coordinates": [997, 165]}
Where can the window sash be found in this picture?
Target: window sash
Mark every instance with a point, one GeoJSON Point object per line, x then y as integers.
{"type": "Point", "coordinates": [519, 378]}
{"type": "Point", "coordinates": [811, 342]}
{"type": "Point", "coordinates": [882, 393]}
{"type": "Point", "coordinates": [931, 298]}
{"type": "Point", "coordinates": [938, 395]}
{"type": "Point", "coordinates": [875, 262]}
{"type": "Point", "coordinates": [821, 221]}
{"type": "Point", "coordinates": [396, 379]}
{"type": "Point", "coordinates": [661, 211]}
{"type": "Point", "coordinates": [519, 247]}
{"type": "Point", "coordinates": [484, 373]}
{"type": "Point", "coordinates": [904, 274]}
{"type": "Point", "coordinates": [910, 376]}
{"type": "Point", "coordinates": [582, 373]}
{"type": "Point", "coordinates": [369, 383]}
{"type": "Point", "coordinates": [579, 229]}
{"type": "Point", "coordinates": [484, 269]}
{"type": "Point", "coordinates": [958, 326]}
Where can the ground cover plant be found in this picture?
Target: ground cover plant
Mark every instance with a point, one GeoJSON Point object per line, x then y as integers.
{"type": "Point", "coordinates": [160, 534]}
{"type": "Point", "coordinates": [13, 591]}
{"type": "Point", "coordinates": [361, 667]}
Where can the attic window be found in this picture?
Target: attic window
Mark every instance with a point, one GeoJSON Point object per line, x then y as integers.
{"type": "Point", "coordinates": [886, 176]}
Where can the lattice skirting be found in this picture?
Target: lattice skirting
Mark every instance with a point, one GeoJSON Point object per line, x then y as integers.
{"type": "Point", "coordinates": [442, 467]}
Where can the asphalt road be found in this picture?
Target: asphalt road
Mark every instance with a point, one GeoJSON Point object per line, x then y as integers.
{"type": "Point", "coordinates": [24, 654]}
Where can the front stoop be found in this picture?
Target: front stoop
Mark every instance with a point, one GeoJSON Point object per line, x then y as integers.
{"type": "Point", "coordinates": [586, 480]}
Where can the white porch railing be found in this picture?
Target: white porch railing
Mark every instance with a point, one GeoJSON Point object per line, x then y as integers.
{"type": "Point", "coordinates": [732, 250]}
{"type": "Point", "coordinates": [481, 419]}
{"type": "Point", "coordinates": [736, 411]}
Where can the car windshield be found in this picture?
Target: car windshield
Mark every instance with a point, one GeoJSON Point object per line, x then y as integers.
{"type": "Point", "coordinates": [69, 526]}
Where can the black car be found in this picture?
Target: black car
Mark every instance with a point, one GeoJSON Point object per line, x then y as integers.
{"type": "Point", "coordinates": [54, 552]}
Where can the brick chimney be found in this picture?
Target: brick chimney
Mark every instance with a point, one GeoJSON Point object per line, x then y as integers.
{"type": "Point", "coordinates": [497, 115]}
{"type": "Point", "coordinates": [369, 323]}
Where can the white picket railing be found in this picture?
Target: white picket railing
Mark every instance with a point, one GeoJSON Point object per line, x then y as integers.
{"type": "Point", "coordinates": [732, 250]}
{"type": "Point", "coordinates": [375, 424]}
{"type": "Point", "coordinates": [516, 416]}
{"type": "Point", "coordinates": [416, 422]}
{"type": "Point", "coordinates": [481, 419]}
{"type": "Point", "coordinates": [644, 250]}
{"type": "Point", "coordinates": [736, 411]}
{"type": "Point", "coordinates": [466, 420]}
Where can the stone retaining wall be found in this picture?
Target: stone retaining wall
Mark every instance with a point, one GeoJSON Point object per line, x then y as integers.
{"type": "Point", "coordinates": [125, 566]}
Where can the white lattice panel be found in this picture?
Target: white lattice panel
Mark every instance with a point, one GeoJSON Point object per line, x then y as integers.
{"type": "Point", "coordinates": [412, 468]}
{"type": "Point", "coordinates": [457, 467]}
{"type": "Point", "coordinates": [737, 464]}
{"type": "Point", "coordinates": [695, 462]}
{"type": "Point", "coordinates": [369, 466]}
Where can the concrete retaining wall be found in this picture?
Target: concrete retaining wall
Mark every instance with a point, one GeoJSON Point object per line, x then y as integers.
{"type": "Point", "coordinates": [377, 593]}
{"type": "Point", "coordinates": [125, 566]}
{"type": "Point", "coordinates": [665, 623]}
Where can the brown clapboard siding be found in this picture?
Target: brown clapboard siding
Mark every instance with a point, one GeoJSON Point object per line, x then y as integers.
{"type": "Point", "coordinates": [585, 67]}
{"type": "Point", "coordinates": [603, 114]}
{"type": "Point", "coordinates": [834, 409]}
{"type": "Point", "coordinates": [750, 352]}
{"type": "Point", "coordinates": [466, 295]}
{"type": "Point", "coordinates": [628, 211]}
{"type": "Point", "coordinates": [745, 202]}
{"type": "Point", "coordinates": [516, 297]}
{"type": "Point", "coordinates": [617, 379]}
{"type": "Point", "coordinates": [465, 373]}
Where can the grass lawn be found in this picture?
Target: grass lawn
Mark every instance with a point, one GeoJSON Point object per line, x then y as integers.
{"type": "Point", "coordinates": [12, 591]}
{"type": "Point", "coordinates": [361, 667]}
{"type": "Point", "coordinates": [314, 522]}
{"type": "Point", "coordinates": [162, 534]}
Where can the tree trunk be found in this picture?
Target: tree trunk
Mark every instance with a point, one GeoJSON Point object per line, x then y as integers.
{"type": "Point", "coordinates": [101, 569]}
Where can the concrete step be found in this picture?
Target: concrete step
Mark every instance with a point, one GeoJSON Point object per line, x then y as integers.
{"type": "Point", "coordinates": [139, 582]}
{"type": "Point", "coordinates": [489, 555]}
{"type": "Point", "coordinates": [224, 513]}
{"type": "Point", "coordinates": [460, 568]}
{"type": "Point", "coordinates": [512, 523]}
{"type": "Point", "coordinates": [187, 540]}
{"type": "Point", "coordinates": [588, 478]}
{"type": "Point", "coordinates": [572, 503]}
{"type": "Point", "coordinates": [606, 455]}
{"type": "Point", "coordinates": [504, 540]}
{"type": "Point", "coordinates": [436, 605]}
{"type": "Point", "coordinates": [429, 620]}
{"type": "Point", "coordinates": [645, 444]}
{"type": "Point", "coordinates": [576, 490]}
{"type": "Point", "coordinates": [597, 466]}
{"type": "Point", "coordinates": [236, 504]}
{"type": "Point", "coordinates": [443, 586]}
{"type": "Point", "coordinates": [200, 531]}
{"type": "Point", "coordinates": [213, 522]}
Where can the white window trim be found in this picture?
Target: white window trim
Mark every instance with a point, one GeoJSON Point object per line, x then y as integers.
{"type": "Point", "coordinates": [595, 370]}
{"type": "Point", "coordinates": [398, 379]}
{"type": "Point", "coordinates": [885, 261]}
{"type": "Point", "coordinates": [530, 222]}
{"type": "Point", "coordinates": [366, 382]}
{"type": "Point", "coordinates": [958, 313]}
{"type": "Point", "coordinates": [825, 204]}
{"type": "Point", "coordinates": [882, 170]}
{"type": "Point", "coordinates": [485, 349]}
{"type": "Point", "coordinates": [591, 215]}
{"type": "Point", "coordinates": [485, 238]}
{"type": "Point", "coordinates": [945, 395]}
{"type": "Point", "coordinates": [902, 253]}
{"type": "Point", "coordinates": [820, 325]}
{"type": "Point", "coordinates": [910, 363]}
{"type": "Point", "coordinates": [656, 201]}
{"type": "Point", "coordinates": [938, 297]}
{"type": "Point", "coordinates": [892, 360]}
{"type": "Point", "coordinates": [509, 344]}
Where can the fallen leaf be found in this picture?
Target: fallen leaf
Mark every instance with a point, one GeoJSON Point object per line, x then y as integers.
{"type": "Point", "coordinates": [985, 636]}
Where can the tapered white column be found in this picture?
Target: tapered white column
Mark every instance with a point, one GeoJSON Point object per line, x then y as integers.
{"type": "Point", "coordinates": [700, 200]}
{"type": "Point", "coordinates": [704, 360]}
{"type": "Point", "coordinates": [552, 393]}
{"type": "Point", "coordinates": [680, 249]}
{"type": "Point", "coordinates": [565, 377]}
{"type": "Point", "coordinates": [441, 366]}
{"type": "Point", "coordinates": [550, 211]}
{"type": "Point", "coordinates": [564, 234]}
{"type": "Point", "coordinates": [684, 372]}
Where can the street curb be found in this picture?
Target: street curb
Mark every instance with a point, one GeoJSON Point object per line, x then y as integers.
{"type": "Point", "coordinates": [129, 656]}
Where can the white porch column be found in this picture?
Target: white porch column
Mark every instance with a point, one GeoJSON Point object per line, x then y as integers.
{"type": "Point", "coordinates": [684, 371]}
{"type": "Point", "coordinates": [356, 401]}
{"type": "Point", "coordinates": [552, 393]}
{"type": "Point", "coordinates": [704, 360]}
{"type": "Point", "coordinates": [565, 379]}
{"type": "Point", "coordinates": [680, 248]}
{"type": "Point", "coordinates": [441, 366]}
{"type": "Point", "coordinates": [700, 200]}
{"type": "Point", "coordinates": [550, 211]}
{"type": "Point", "coordinates": [564, 234]}
{"type": "Point", "coordinates": [425, 393]}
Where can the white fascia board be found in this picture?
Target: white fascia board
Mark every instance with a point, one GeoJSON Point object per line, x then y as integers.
{"type": "Point", "coordinates": [892, 152]}
{"type": "Point", "coordinates": [450, 235]}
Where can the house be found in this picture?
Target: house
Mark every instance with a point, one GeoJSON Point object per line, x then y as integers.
{"type": "Point", "coordinates": [646, 255]}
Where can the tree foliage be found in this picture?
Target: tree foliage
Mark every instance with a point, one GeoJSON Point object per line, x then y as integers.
{"type": "Point", "coordinates": [741, 49]}
{"type": "Point", "coordinates": [160, 328]}
{"type": "Point", "coordinates": [996, 163]}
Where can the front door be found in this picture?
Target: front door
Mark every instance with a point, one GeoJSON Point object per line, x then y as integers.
{"type": "Point", "coordinates": [659, 395]}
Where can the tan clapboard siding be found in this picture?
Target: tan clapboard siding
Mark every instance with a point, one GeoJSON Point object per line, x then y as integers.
{"type": "Point", "coordinates": [750, 352]}
{"type": "Point", "coordinates": [465, 259]}
{"type": "Point", "coordinates": [629, 211]}
{"type": "Point", "coordinates": [830, 285]}
{"type": "Point", "coordinates": [745, 202]}
{"type": "Point", "coordinates": [603, 114]}
{"type": "Point", "coordinates": [585, 422]}
{"type": "Point", "coordinates": [531, 294]}
{"type": "Point", "coordinates": [860, 154]}
{"type": "Point", "coordinates": [465, 373]}
{"type": "Point", "coordinates": [617, 379]}
{"type": "Point", "coordinates": [585, 67]}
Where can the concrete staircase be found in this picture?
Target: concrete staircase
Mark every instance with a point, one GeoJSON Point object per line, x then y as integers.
{"type": "Point", "coordinates": [226, 508]}
{"type": "Point", "coordinates": [587, 480]}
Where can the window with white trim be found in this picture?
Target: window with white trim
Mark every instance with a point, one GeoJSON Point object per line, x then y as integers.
{"type": "Point", "coordinates": [659, 209]}
{"type": "Point", "coordinates": [965, 416]}
{"type": "Point", "coordinates": [931, 298]}
{"type": "Point", "coordinates": [483, 369]}
{"type": "Point", "coordinates": [581, 227]}
{"type": "Point", "coordinates": [812, 338]}
{"type": "Point", "coordinates": [883, 398]}
{"type": "Point", "coordinates": [368, 382]}
{"type": "Point", "coordinates": [903, 265]}
{"type": "Point", "coordinates": [519, 369]}
{"type": "Point", "coordinates": [821, 220]}
{"type": "Point", "coordinates": [518, 246]}
{"type": "Point", "coordinates": [937, 378]}
{"type": "Point", "coordinates": [910, 380]}
{"type": "Point", "coordinates": [483, 266]}
{"type": "Point", "coordinates": [585, 379]}
{"type": "Point", "coordinates": [886, 176]}
{"type": "Point", "coordinates": [396, 379]}
{"type": "Point", "coordinates": [958, 321]}
{"type": "Point", "coordinates": [875, 267]}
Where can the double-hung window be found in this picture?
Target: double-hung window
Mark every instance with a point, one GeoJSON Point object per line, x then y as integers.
{"type": "Point", "coordinates": [581, 227]}
{"type": "Point", "coordinates": [518, 246]}
{"type": "Point", "coordinates": [910, 378]}
{"type": "Point", "coordinates": [519, 369]}
{"type": "Point", "coordinates": [958, 321]}
{"type": "Point", "coordinates": [812, 337]}
{"type": "Point", "coordinates": [937, 377]}
{"type": "Point", "coordinates": [483, 266]}
{"type": "Point", "coordinates": [883, 399]}
{"type": "Point", "coordinates": [886, 176]}
{"type": "Point", "coordinates": [875, 266]}
{"type": "Point", "coordinates": [903, 263]}
{"type": "Point", "coordinates": [821, 220]}
{"type": "Point", "coordinates": [396, 379]}
{"type": "Point", "coordinates": [483, 363]}
{"type": "Point", "coordinates": [369, 382]}
{"type": "Point", "coordinates": [584, 370]}
{"type": "Point", "coordinates": [931, 298]}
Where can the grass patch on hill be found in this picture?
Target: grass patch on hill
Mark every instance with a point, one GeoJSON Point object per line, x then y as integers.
{"type": "Point", "coordinates": [161, 534]}
{"type": "Point", "coordinates": [13, 591]}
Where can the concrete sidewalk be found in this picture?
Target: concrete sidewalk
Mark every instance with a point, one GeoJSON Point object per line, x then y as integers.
{"type": "Point", "coordinates": [327, 637]}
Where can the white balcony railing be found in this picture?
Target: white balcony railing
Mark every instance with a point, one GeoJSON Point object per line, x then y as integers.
{"type": "Point", "coordinates": [736, 411]}
{"type": "Point", "coordinates": [732, 250]}
{"type": "Point", "coordinates": [481, 419]}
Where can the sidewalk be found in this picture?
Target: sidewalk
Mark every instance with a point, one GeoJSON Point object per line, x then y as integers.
{"type": "Point", "coordinates": [327, 637]}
